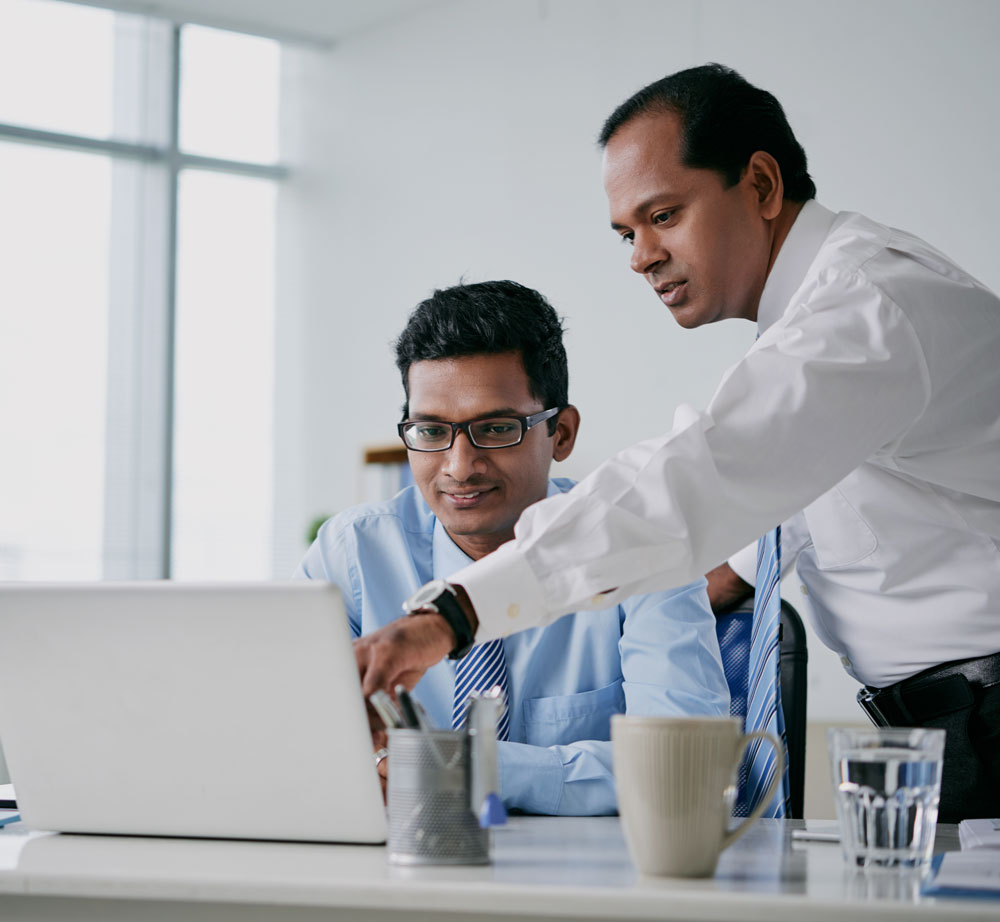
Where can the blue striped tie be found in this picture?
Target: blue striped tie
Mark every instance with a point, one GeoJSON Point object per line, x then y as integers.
{"type": "Point", "coordinates": [479, 670]}
{"type": "Point", "coordinates": [764, 689]}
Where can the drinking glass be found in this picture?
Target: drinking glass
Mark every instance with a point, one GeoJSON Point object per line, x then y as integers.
{"type": "Point", "coordinates": [887, 784]}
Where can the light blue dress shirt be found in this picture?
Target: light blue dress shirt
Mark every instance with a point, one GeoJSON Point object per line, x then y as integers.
{"type": "Point", "coordinates": [653, 654]}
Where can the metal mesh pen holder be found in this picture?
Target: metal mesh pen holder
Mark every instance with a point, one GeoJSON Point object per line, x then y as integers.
{"type": "Point", "coordinates": [430, 818]}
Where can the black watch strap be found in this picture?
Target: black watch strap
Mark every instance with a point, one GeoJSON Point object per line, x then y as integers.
{"type": "Point", "coordinates": [439, 595]}
{"type": "Point", "coordinates": [449, 606]}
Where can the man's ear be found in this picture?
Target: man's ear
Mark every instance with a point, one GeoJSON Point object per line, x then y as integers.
{"type": "Point", "coordinates": [567, 426]}
{"type": "Point", "coordinates": [764, 175]}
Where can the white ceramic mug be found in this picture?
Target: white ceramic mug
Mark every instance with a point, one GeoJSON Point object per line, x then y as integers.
{"type": "Point", "coordinates": [675, 781]}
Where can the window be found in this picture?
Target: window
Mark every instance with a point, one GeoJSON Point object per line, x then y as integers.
{"type": "Point", "coordinates": [232, 111]}
{"type": "Point", "coordinates": [224, 378]}
{"type": "Point", "coordinates": [53, 360]}
{"type": "Point", "coordinates": [136, 295]}
{"type": "Point", "coordinates": [57, 67]}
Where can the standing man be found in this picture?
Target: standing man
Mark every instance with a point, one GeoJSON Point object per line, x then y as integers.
{"type": "Point", "coordinates": [487, 412]}
{"type": "Point", "coordinates": [866, 417]}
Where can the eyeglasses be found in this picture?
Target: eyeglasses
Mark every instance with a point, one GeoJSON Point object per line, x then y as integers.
{"type": "Point", "coordinates": [495, 432]}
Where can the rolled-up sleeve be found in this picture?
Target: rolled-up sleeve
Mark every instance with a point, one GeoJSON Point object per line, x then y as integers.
{"type": "Point", "coordinates": [670, 665]}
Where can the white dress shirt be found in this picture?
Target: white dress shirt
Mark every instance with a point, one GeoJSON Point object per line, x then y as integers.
{"type": "Point", "coordinates": [866, 417]}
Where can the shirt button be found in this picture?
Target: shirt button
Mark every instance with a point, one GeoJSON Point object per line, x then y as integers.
{"type": "Point", "coordinates": [513, 610]}
{"type": "Point", "coordinates": [803, 590]}
{"type": "Point", "coordinates": [845, 662]}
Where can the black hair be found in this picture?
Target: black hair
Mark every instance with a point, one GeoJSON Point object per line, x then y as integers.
{"type": "Point", "coordinates": [489, 318]}
{"type": "Point", "coordinates": [724, 119]}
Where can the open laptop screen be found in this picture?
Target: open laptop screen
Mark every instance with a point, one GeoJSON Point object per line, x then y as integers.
{"type": "Point", "coordinates": [166, 708]}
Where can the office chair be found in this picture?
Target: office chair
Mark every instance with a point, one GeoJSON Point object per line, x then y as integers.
{"type": "Point", "coordinates": [794, 659]}
{"type": "Point", "coordinates": [733, 630]}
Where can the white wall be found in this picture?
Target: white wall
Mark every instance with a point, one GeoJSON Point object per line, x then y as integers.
{"type": "Point", "coordinates": [460, 142]}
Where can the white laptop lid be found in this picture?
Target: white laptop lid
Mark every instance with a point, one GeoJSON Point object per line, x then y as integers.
{"type": "Point", "coordinates": [178, 709]}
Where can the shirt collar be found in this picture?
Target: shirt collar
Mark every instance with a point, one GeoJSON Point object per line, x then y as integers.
{"type": "Point", "coordinates": [811, 227]}
{"type": "Point", "coordinates": [448, 556]}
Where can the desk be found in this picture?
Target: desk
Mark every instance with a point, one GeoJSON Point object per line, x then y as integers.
{"type": "Point", "coordinates": [546, 868]}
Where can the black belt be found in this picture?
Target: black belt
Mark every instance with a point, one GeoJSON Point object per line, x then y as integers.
{"type": "Point", "coordinates": [932, 693]}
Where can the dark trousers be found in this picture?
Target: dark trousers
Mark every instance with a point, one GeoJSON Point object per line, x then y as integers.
{"type": "Point", "coordinates": [969, 712]}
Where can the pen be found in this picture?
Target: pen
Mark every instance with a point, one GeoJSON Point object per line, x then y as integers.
{"type": "Point", "coordinates": [410, 716]}
{"type": "Point", "coordinates": [386, 710]}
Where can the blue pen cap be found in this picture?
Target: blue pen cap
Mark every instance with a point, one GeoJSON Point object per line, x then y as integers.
{"type": "Point", "coordinates": [492, 812]}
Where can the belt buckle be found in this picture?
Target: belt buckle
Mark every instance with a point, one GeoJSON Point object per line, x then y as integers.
{"type": "Point", "coordinates": [866, 698]}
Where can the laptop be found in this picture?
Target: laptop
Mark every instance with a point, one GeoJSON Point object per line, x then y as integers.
{"type": "Point", "coordinates": [179, 709]}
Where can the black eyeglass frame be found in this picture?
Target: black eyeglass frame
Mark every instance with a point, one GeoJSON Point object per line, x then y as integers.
{"type": "Point", "coordinates": [527, 422]}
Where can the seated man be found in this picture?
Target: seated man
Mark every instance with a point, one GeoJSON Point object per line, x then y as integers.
{"type": "Point", "coordinates": [486, 412]}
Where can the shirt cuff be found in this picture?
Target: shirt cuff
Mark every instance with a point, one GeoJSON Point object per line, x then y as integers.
{"type": "Point", "coordinates": [744, 564]}
{"type": "Point", "coordinates": [531, 777]}
{"type": "Point", "coordinates": [505, 593]}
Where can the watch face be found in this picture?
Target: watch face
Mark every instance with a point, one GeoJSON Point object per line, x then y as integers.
{"type": "Point", "coordinates": [426, 594]}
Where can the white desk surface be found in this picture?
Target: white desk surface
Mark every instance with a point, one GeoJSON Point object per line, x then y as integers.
{"type": "Point", "coordinates": [544, 868]}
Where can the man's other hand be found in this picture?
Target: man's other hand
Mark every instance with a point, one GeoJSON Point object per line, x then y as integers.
{"type": "Point", "coordinates": [725, 589]}
{"type": "Point", "coordinates": [401, 652]}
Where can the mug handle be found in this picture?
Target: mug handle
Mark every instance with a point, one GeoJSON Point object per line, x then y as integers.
{"type": "Point", "coordinates": [730, 837]}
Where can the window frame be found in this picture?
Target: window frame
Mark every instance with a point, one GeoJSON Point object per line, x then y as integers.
{"type": "Point", "coordinates": [137, 534]}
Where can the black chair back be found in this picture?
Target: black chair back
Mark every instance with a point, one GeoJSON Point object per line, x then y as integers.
{"type": "Point", "coordinates": [794, 659]}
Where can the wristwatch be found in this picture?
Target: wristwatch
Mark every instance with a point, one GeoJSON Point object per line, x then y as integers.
{"type": "Point", "coordinates": [439, 595]}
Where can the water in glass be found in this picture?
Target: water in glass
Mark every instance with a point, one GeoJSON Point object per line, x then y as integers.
{"type": "Point", "coordinates": [887, 805]}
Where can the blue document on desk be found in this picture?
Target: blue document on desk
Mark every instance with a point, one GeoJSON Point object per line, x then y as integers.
{"type": "Point", "coordinates": [974, 873]}
{"type": "Point", "coordinates": [9, 816]}
{"type": "Point", "coordinates": [979, 833]}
